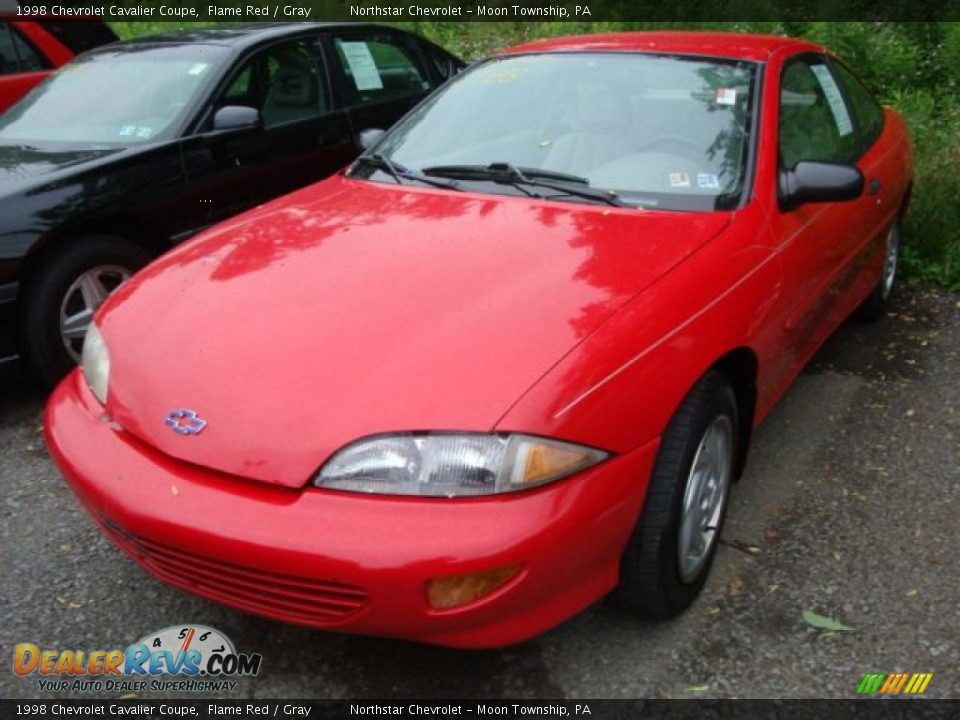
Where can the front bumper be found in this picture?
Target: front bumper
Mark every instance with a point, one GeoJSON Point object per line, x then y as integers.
{"type": "Point", "coordinates": [353, 563]}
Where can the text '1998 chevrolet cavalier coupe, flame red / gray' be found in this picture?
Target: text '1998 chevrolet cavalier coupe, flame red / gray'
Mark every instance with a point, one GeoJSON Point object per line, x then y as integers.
{"type": "Point", "coordinates": [509, 361]}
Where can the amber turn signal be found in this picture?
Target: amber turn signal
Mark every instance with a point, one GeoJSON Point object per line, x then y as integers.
{"type": "Point", "coordinates": [456, 590]}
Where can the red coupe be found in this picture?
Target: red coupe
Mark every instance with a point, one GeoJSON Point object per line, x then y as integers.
{"type": "Point", "coordinates": [509, 361]}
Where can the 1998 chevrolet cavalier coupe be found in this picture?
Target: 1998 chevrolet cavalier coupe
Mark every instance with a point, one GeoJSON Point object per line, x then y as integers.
{"type": "Point", "coordinates": [509, 361]}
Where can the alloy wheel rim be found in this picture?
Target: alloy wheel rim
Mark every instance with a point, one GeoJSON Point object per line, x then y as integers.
{"type": "Point", "coordinates": [81, 301]}
{"type": "Point", "coordinates": [891, 258]}
{"type": "Point", "coordinates": [705, 497]}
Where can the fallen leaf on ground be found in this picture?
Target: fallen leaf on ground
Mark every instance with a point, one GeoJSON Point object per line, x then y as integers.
{"type": "Point", "coordinates": [821, 622]}
{"type": "Point", "coordinates": [735, 587]}
{"type": "Point", "coordinates": [771, 535]}
{"type": "Point", "coordinates": [698, 688]}
{"type": "Point", "coordinates": [745, 547]}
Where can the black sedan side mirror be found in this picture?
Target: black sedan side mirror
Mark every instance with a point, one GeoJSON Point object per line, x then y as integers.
{"type": "Point", "coordinates": [236, 119]}
{"type": "Point", "coordinates": [810, 182]}
{"type": "Point", "coordinates": [369, 137]}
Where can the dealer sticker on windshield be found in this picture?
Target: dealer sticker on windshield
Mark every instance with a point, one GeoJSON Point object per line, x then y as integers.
{"type": "Point", "coordinates": [679, 180]}
{"type": "Point", "coordinates": [726, 96]}
{"type": "Point", "coordinates": [708, 181]}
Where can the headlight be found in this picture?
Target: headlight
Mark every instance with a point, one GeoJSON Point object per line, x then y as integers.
{"type": "Point", "coordinates": [451, 464]}
{"type": "Point", "coordinates": [96, 363]}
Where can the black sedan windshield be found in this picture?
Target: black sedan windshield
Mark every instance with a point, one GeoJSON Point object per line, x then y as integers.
{"type": "Point", "coordinates": [658, 131]}
{"type": "Point", "coordinates": [122, 95]}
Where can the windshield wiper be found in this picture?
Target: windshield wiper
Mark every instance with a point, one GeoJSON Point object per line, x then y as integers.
{"type": "Point", "coordinates": [507, 174]}
{"type": "Point", "coordinates": [399, 173]}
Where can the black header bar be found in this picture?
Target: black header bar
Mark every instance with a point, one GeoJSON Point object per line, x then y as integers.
{"type": "Point", "coordinates": [492, 11]}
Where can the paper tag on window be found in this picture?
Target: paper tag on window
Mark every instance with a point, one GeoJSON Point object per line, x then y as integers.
{"type": "Point", "coordinates": [726, 96]}
{"type": "Point", "coordinates": [708, 181]}
{"type": "Point", "coordinates": [197, 69]}
{"type": "Point", "coordinates": [362, 66]}
{"type": "Point", "coordinates": [841, 116]}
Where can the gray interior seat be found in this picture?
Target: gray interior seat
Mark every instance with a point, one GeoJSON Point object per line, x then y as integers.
{"type": "Point", "coordinates": [604, 132]}
{"type": "Point", "coordinates": [294, 94]}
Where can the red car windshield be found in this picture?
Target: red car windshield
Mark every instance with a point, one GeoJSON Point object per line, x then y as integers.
{"type": "Point", "coordinates": [660, 131]}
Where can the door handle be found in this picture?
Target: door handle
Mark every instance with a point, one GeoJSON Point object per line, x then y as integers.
{"type": "Point", "coordinates": [875, 187]}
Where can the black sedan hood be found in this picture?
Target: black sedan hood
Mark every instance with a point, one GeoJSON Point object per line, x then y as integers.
{"type": "Point", "coordinates": [25, 163]}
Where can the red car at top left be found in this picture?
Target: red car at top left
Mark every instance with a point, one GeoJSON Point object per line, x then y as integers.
{"type": "Point", "coordinates": [29, 51]}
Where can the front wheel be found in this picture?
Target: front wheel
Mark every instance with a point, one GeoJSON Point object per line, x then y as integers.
{"type": "Point", "coordinates": [669, 554]}
{"type": "Point", "coordinates": [62, 295]}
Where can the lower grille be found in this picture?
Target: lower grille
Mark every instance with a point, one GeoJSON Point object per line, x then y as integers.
{"type": "Point", "coordinates": [285, 597]}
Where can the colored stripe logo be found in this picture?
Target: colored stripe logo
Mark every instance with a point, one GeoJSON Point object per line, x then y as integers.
{"type": "Point", "coordinates": [894, 683]}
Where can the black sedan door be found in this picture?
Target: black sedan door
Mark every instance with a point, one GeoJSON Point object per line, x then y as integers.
{"type": "Point", "coordinates": [379, 75]}
{"type": "Point", "coordinates": [304, 137]}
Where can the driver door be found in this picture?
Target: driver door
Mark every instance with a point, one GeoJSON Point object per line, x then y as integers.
{"type": "Point", "coordinates": [820, 240]}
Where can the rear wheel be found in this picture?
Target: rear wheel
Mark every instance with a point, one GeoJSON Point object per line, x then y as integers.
{"type": "Point", "coordinates": [61, 296]}
{"type": "Point", "coordinates": [875, 306]}
{"type": "Point", "coordinates": [669, 554]}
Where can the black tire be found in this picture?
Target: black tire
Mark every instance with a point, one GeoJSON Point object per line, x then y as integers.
{"type": "Point", "coordinates": [875, 306]}
{"type": "Point", "coordinates": [44, 357]}
{"type": "Point", "coordinates": [650, 578]}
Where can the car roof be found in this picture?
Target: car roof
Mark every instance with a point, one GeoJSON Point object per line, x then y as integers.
{"type": "Point", "coordinates": [741, 46]}
{"type": "Point", "coordinates": [242, 35]}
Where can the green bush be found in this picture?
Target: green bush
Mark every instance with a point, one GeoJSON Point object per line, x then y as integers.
{"type": "Point", "coordinates": [915, 67]}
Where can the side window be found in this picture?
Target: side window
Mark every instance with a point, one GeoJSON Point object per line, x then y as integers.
{"type": "Point", "coordinates": [378, 68]}
{"type": "Point", "coordinates": [866, 110]}
{"type": "Point", "coordinates": [8, 56]}
{"type": "Point", "coordinates": [815, 123]}
{"type": "Point", "coordinates": [30, 58]}
{"type": "Point", "coordinates": [283, 82]}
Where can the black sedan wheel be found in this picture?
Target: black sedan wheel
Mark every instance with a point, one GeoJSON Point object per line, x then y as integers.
{"type": "Point", "coordinates": [61, 296]}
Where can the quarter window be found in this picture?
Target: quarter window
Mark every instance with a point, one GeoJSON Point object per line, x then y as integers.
{"type": "Point", "coordinates": [815, 122]}
{"type": "Point", "coordinates": [378, 68]}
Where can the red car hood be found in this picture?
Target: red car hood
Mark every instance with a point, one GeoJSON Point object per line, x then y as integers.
{"type": "Point", "coordinates": [353, 308]}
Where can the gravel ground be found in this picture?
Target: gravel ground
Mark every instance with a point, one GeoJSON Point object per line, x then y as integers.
{"type": "Point", "coordinates": [849, 508]}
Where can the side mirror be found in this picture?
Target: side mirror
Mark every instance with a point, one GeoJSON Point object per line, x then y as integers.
{"type": "Point", "coordinates": [369, 137]}
{"type": "Point", "coordinates": [812, 182]}
{"type": "Point", "coordinates": [236, 119]}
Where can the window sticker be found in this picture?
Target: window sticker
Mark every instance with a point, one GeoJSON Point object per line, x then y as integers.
{"type": "Point", "coordinates": [362, 67]}
{"type": "Point", "coordinates": [128, 130]}
{"type": "Point", "coordinates": [197, 68]}
{"type": "Point", "coordinates": [726, 96]}
{"type": "Point", "coordinates": [708, 181]}
{"type": "Point", "coordinates": [144, 132]}
{"type": "Point", "coordinates": [834, 99]}
{"type": "Point", "coordinates": [679, 180]}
